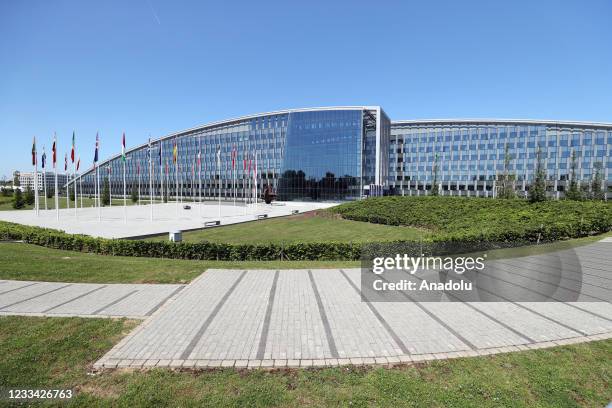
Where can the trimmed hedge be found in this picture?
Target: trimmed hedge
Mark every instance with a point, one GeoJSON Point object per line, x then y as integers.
{"type": "Point", "coordinates": [200, 251]}
{"type": "Point", "coordinates": [477, 220]}
{"type": "Point", "coordinates": [458, 224]}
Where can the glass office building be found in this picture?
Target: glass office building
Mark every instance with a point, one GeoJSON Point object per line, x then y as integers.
{"type": "Point", "coordinates": [345, 153]}
{"type": "Point", "coordinates": [472, 155]}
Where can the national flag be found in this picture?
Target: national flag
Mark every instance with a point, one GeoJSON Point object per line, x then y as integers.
{"type": "Point", "coordinates": [78, 164]}
{"type": "Point", "coordinates": [149, 151]}
{"type": "Point", "coordinates": [160, 153]}
{"type": "Point", "coordinates": [200, 159]}
{"type": "Point", "coordinates": [44, 158]}
{"type": "Point", "coordinates": [66, 162]}
{"type": "Point", "coordinates": [167, 168]}
{"type": "Point", "coordinates": [73, 147]}
{"type": "Point", "coordinates": [249, 165]}
{"type": "Point", "coordinates": [123, 147]}
{"type": "Point", "coordinates": [97, 147]}
{"type": "Point", "coordinates": [34, 151]}
{"type": "Point", "coordinates": [234, 157]}
{"type": "Point", "coordinates": [137, 168]}
{"type": "Point", "coordinates": [244, 162]}
{"type": "Point", "coordinates": [174, 153]}
{"type": "Point", "coordinates": [54, 150]}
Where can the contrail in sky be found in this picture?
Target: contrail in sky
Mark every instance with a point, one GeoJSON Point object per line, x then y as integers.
{"type": "Point", "coordinates": [154, 13]}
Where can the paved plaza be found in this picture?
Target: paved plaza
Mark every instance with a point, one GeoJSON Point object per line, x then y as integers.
{"type": "Point", "coordinates": [166, 217]}
{"type": "Point", "coordinates": [83, 299]}
{"type": "Point", "coordinates": [303, 318]}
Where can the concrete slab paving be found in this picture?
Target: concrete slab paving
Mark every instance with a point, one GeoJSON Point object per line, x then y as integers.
{"type": "Point", "coordinates": [308, 318]}
{"type": "Point", "coordinates": [112, 223]}
{"type": "Point", "coordinates": [83, 299]}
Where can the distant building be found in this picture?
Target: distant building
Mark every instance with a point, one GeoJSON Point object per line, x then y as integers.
{"type": "Point", "coordinates": [26, 179]}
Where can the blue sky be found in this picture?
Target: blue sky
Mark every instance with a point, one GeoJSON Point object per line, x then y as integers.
{"type": "Point", "coordinates": [152, 67]}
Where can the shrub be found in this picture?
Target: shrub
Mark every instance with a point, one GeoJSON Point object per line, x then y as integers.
{"type": "Point", "coordinates": [18, 201]}
{"type": "Point", "coordinates": [29, 196]}
{"type": "Point", "coordinates": [459, 225]}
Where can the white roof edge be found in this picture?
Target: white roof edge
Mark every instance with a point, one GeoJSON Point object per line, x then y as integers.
{"type": "Point", "coordinates": [517, 121]}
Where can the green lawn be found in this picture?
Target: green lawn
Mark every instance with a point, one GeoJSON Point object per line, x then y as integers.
{"type": "Point", "coordinates": [58, 353]}
{"type": "Point", "coordinates": [31, 262]}
{"type": "Point", "coordinates": [308, 227]}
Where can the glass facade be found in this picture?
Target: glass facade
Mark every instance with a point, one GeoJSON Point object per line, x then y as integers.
{"type": "Point", "coordinates": [322, 156]}
{"type": "Point", "coordinates": [313, 154]}
{"type": "Point", "coordinates": [337, 153]}
{"type": "Point", "coordinates": [471, 155]}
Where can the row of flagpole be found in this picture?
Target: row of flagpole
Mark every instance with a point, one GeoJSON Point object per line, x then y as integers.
{"type": "Point", "coordinates": [97, 192]}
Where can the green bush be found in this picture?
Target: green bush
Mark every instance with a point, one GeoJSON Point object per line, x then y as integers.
{"type": "Point", "coordinates": [458, 225]}
{"type": "Point", "coordinates": [18, 201]}
{"type": "Point", "coordinates": [200, 251]}
{"type": "Point", "coordinates": [485, 220]}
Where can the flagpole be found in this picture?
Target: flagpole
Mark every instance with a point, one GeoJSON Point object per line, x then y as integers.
{"type": "Point", "coordinates": [219, 173]}
{"type": "Point", "coordinates": [45, 181]}
{"type": "Point", "coordinates": [67, 181]}
{"type": "Point", "coordinates": [99, 194]}
{"type": "Point", "coordinates": [124, 182]}
{"type": "Point", "coordinates": [124, 195]}
{"type": "Point", "coordinates": [35, 177]}
{"type": "Point", "coordinates": [151, 182]}
{"type": "Point", "coordinates": [81, 183]}
{"type": "Point", "coordinates": [161, 173]}
{"type": "Point", "coordinates": [73, 158]}
{"type": "Point", "coordinates": [55, 171]}
{"type": "Point", "coordinates": [138, 170]}
{"type": "Point", "coordinates": [176, 170]}
{"type": "Point", "coordinates": [255, 179]}
{"type": "Point", "coordinates": [200, 172]}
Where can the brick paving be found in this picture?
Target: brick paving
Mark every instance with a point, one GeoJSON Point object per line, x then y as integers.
{"type": "Point", "coordinates": [83, 299]}
{"type": "Point", "coordinates": [306, 318]}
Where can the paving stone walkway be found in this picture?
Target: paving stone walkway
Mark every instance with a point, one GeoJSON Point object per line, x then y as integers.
{"type": "Point", "coordinates": [83, 299]}
{"type": "Point", "coordinates": [304, 318]}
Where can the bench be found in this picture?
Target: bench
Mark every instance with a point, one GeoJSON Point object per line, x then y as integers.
{"type": "Point", "coordinates": [214, 223]}
{"type": "Point", "coordinates": [262, 216]}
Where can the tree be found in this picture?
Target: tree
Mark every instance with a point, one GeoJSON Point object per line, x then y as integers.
{"type": "Point", "coordinates": [573, 192]}
{"type": "Point", "coordinates": [537, 189]}
{"type": "Point", "coordinates": [6, 192]}
{"type": "Point", "coordinates": [106, 192]}
{"type": "Point", "coordinates": [134, 195]}
{"type": "Point", "coordinates": [506, 180]}
{"type": "Point", "coordinates": [50, 192]}
{"type": "Point", "coordinates": [596, 190]}
{"type": "Point", "coordinates": [16, 181]}
{"type": "Point", "coordinates": [29, 196]}
{"type": "Point", "coordinates": [18, 199]}
{"type": "Point", "coordinates": [71, 194]}
{"type": "Point", "coordinates": [434, 184]}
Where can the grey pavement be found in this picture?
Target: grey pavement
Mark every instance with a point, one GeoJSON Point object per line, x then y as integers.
{"type": "Point", "coordinates": [113, 223]}
{"type": "Point", "coordinates": [304, 318]}
{"type": "Point", "coordinates": [83, 299]}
